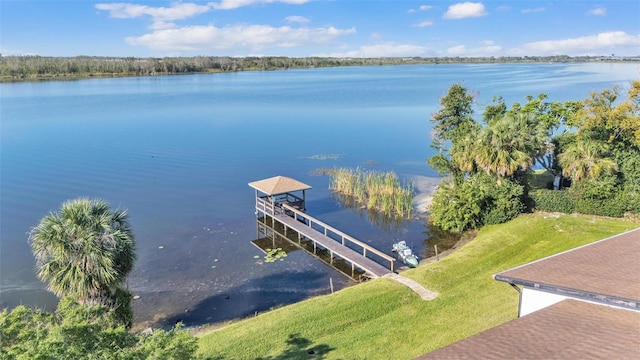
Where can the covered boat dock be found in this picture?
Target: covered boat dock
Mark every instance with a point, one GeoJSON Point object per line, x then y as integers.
{"type": "Point", "coordinates": [283, 199]}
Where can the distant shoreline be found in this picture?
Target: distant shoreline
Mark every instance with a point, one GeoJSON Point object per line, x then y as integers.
{"type": "Point", "coordinates": [42, 68]}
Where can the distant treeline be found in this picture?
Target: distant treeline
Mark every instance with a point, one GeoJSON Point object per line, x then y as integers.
{"type": "Point", "coordinates": [20, 68]}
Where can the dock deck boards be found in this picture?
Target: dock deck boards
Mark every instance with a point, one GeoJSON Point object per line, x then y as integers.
{"type": "Point", "coordinates": [371, 267]}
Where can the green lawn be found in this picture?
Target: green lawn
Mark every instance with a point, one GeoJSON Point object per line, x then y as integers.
{"type": "Point", "coordinates": [539, 179]}
{"type": "Point", "coordinates": [382, 319]}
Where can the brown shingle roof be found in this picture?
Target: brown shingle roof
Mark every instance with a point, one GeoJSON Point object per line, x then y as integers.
{"type": "Point", "coordinates": [606, 271]}
{"type": "Point", "coordinates": [278, 185]}
{"type": "Point", "coordinates": [570, 329]}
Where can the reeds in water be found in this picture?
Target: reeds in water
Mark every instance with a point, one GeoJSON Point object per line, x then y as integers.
{"type": "Point", "coordinates": [381, 191]}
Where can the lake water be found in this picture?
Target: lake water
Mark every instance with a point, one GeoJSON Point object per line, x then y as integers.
{"type": "Point", "coordinates": [179, 151]}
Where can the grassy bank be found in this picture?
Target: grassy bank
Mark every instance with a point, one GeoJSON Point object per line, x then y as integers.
{"type": "Point", "coordinates": [382, 319]}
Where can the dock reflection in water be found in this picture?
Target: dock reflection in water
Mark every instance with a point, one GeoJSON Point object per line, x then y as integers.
{"type": "Point", "coordinates": [271, 237]}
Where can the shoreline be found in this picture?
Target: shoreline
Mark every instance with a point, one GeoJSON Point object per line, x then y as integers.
{"type": "Point", "coordinates": [426, 186]}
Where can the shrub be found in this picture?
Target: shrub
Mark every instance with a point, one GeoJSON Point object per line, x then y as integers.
{"type": "Point", "coordinates": [78, 331]}
{"type": "Point", "coordinates": [567, 202]}
{"type": "Point", "coordinates": [602, 188]}
{"type": "Point", "coordinates": [479, 200]}
{"type": "Point", "coordinates": [552, 201]}
{"type": "Point", "coordinates": [604, 197]}
{"type": "Point", "coordinates": [456, 208]}
{"type": "Point", "coordinates": [632, 197]}
{"type": "Point", "coordinates": [503, 201]}
{"type": "Point", "coordinates": [630, 168]}
{"type": "Point", "coordinates": [614, 207]}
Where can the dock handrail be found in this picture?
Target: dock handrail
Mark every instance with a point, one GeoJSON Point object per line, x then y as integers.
{"type": "Point", "coordinates": [342, 235]}
{"type": "Point", "coordinates": [265, 206]}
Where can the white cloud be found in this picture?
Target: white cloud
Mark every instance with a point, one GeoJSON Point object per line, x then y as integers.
{"type": "Point", "coordinates": [421, 8]}
{"type": "Point", "coordinates": [234, 4]}
{"type": "Point", "coordinates": [177, 10]}
{"type": "Point", "coordinates": [617, 42]}
{"type": "Point", "coordinates": [15, 52]}
{"type": "Point", "coordinates": [424, 24]}
{"type": "Point", "coordinates": [161, 25]}
{"type": "Point", "coordinates": [238, 38]}
{"type": "Point", "coordinates": [488, 48]}
{"type": "Point", "coordinates": [598, 11]}
{"type": "Point", "coordinates": [536, 10]}
{"type": "Point", "coordinates": [389, 49]}
{"type": "Point", "coordinates": [465, 10]}
{"type": "Point", "coordinates": [297, 19]}
{"type": "Point", "coordinates": [598, 44]}
{"type": "Point", "coordinates": [457, 50]}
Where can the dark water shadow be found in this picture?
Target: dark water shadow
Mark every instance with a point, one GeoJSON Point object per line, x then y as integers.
{"type": "Point", "coordinates": [301, 348]}
{"type": "Point", "coordinates": [437, 237]}
{"type": "Point", "coordinates": [322, 206]}
{"type": "Point", "coordinates": [248, 299]}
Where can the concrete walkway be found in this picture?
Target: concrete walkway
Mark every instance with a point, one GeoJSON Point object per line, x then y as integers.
{"type": "Point", "coordinates": [425, 294]}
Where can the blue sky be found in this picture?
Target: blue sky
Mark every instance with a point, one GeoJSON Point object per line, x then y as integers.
{"type": "Point", "coordinates": [341, 28]}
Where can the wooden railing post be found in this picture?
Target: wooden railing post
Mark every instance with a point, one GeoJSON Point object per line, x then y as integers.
{"type": "Point", "coordinates": [344, 237]}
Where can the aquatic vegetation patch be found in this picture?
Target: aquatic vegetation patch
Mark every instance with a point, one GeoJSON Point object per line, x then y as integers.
{"type": "Point", "coordinates": [323, 172]}
{"type": "Point", "coordinates": [323, 157]}
{"type": "Point", "coordinates": [381, 191]}
{"type": "Point", "coordinates": [274, 255]}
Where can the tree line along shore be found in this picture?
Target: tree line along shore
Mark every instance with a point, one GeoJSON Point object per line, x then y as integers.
{"type": "Point", "coordinates": [34, 68]}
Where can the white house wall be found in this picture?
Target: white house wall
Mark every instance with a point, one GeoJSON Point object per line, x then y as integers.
{"type": "Point", "coordinates": [533, 300]}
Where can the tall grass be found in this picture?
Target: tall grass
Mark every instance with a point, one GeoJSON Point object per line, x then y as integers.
{"type": "Point", "coordinates": [381, 191]}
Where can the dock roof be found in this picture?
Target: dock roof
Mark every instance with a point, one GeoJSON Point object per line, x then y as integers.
{"type": "Point", "coordinates": [278, 185]}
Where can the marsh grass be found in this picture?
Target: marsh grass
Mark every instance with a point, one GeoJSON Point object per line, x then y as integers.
{"type": "Point", "coordinates": [381, 191]}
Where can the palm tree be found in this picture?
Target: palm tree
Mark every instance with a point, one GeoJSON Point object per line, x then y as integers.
{"type": "Point", "coordinates": [84, 251]}
{"type": "Point", "coordinates": [586, 158]}
{"type": "Point", "coordinates": [463, 152]}
{"type": "Point", "coordinates": [507, 144]}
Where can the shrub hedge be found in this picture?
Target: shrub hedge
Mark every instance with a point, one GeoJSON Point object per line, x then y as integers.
{"type": "Point", "coordinates": [563, 201]}
{"type": "Point", "coordinates": [615, 206]}
{"type": "Point", "coordinates": [552, 201]}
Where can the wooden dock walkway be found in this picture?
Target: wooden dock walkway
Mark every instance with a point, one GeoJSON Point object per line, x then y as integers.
{"type": "Point", "coordinates": [372, 268]}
